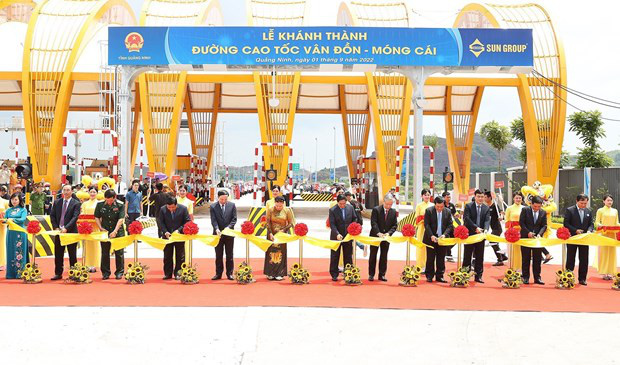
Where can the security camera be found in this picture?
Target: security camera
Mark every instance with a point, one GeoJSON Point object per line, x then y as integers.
{"type": "Point", "coordinates": [6, 129]}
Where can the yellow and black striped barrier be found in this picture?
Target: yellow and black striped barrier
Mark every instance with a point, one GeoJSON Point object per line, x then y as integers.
{"type": "Point", "coordinates": [320, 197]}
{"type": "Point", "coordinates": [409, 218]}
{"type": "Point", "coordinates": [45, 244]}
{"type": "Point", "coordinates": [256, 214]}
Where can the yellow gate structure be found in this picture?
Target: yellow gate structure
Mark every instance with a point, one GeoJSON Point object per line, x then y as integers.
{"type": "Point", "coordinates": [49, 85]}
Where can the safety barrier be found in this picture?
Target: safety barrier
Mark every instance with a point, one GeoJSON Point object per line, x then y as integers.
{"type": "Point", "coordinates": [77, 133]}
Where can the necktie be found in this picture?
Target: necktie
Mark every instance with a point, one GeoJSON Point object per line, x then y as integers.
{"type": "Point", "coordinates": [438, 224]}
{"type": "Point", "coordinates": [535, 216]}
{"type": "Point", "coordinates": [172, 215]}
{"type": "Point", "coordinates": [223, 209]}
{"type": "Point", "coordinates": [63, 212]}
{"type": "Point", "coordinates": [342, 210]}
{"type": "Point", "coordinates": [478, 216]}
{"type": "Point", "coordinates": [386, 213]}
{"type": "Point", "coordinates": [581, 215]}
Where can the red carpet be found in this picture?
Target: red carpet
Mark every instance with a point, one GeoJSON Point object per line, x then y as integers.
{"type": "Point", "coordinates": [322, 292]}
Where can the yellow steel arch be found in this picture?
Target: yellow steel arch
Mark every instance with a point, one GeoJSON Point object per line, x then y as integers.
{"type": "Point", "coordinates": [389, 95]}
{"type": "Point", "coordinates": [58, 31]}
{"type": "Point", "coordinates": [276, 122]}
{"type": "Point", "coordinates": [542, 101]}
{"type": "Point", "coordinates": [163, 95]}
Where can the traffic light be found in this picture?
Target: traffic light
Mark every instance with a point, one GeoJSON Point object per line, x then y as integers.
{"type": "Point", "coordinates": [24, 171]}
{"type": "Point", "coordinates": [448, 177]}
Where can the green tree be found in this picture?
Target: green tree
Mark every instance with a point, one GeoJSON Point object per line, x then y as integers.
{"type": "Point", "coordinates": [588, 126]}
{"type": "Point", "coordinates": [564, 159]}
{"type": "Point", "coordinates": [431, 140]}
{"type": "Point", "coordinates": [517, 130]}
{"type": "Point", "coordinates": [498, 136]}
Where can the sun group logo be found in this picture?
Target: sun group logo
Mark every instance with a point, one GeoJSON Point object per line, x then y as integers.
{"type": "Point", "coordinates": [476, 47]}
{"type": "Point", "coordinates": [134, 42]}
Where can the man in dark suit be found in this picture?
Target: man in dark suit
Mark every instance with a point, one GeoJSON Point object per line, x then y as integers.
{"type": "Point", "coordinates": [172, 217]}
{"type": "Point", "coordinates": [533, 222]}
{"type": "Point", "coordinates": [496, 228]}
{"type": "Point", "coordinates": [455, 218]}
{"type": "Point", "coordinates": [437, 224]}
{"type": "Point", "coordinates": [64, 216]}
{"type": "Point", "coordinates": [223, 215]}
{"type": "Point", "coordinates": [341, 216]}
{"type": "Point", "coordinates": [477, 220]}
{"type": "Point", "coordinates": [383, 223]}
{"type": "Point", "coordinates": [578, 219]}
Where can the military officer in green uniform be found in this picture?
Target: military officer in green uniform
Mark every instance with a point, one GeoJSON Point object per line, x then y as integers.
{"type": "Point", "coordinates": [110, 215]}
{"type": "Point", "coordinates": [37, 200]}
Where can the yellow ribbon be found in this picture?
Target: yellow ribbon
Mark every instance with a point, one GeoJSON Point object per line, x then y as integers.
{"type": "Point", "coordinates": [15, 227]}
{"type": "Point", "coordinates": [120, 243]}
{"type": "Point", "coordinates": [470, 240]}
{"type": "Point", "coordinates": [281, 237]}
{"type": "Point", "coordinates": [260, 242]}
{"type": "Point", "coordinates": [209, 240]}
{"type": "Point", "coordinates": [589, 239]}
{"type": "Point", "coordinates": [376, 241]}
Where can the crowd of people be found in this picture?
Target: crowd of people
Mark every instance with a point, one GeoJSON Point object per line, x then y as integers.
{"type": "Point", "coordinates": [112, 207]}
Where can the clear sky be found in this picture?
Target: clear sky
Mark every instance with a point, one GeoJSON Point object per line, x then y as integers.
{"type": "Point", "coordinates": [587, 30]}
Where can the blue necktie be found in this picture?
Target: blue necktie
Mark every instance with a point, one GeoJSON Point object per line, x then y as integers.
{"type": "Point", "coordinates": [342, 209]}
{"type": "Point", "coordinates": [438, 224]}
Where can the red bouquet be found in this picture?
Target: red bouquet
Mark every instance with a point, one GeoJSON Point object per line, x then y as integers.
{"type": "Point", "coordinates": [563, 233]}
{"type": "Point", "coordinates": [355, 229]}
{"type": "Point", "coordinates": [135, 228]}
{"type": "Point", "coordinates": [33, 227]}
{"type": "Point", "coordinates": [190, 228]}
{"type": "Point", "coordinates": [618, 236]}
{"type": "Point", "coordinates": [247, 227]}
{"type": "Point", "coordinates": [408, 230]}
{"type": "Point", "coordinates": [301, 229]}
{"type": "Point", "coordinates": [512, 235]}
{"type": "Point", "coordinates": [461, 232]}
{"type": "Point", "coordinates": [85, 228]}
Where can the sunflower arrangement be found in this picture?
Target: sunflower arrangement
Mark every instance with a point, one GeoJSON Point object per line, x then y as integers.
{"type": "Point", "coordinates": [460, 278]}
{"type": "Point", "coordinates": [512, 279]}
{"type": "Point", "coordinates": [243, 275]}
{"type": "Point", "coordinates": [410, 275]}
{"type": "Point", "coordinates": [79, 274]}
{"type": "Point", "coordinates": [299, 275]}
{"type": "Point", "coordinates": [352, 275]}
{"type": "Point", "coordinates": [564, 279]}
{"type": "Point", "coordinates": [136, 273]}
{"type": "Point", "coordinates": [31, 274]}
{"type": "Point", "coordinates": [189, 274]}
{"type": "Point", "coordinates": [616, 284]}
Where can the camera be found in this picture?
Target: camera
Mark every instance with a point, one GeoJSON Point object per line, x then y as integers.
{"type": "Point", "coordinates": [6, 129]}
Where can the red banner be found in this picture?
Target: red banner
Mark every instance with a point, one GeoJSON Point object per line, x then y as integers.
{"type": "Point", "coordinates": [499, 184]}
{"type": "Point", "coordinates": [463, 197]}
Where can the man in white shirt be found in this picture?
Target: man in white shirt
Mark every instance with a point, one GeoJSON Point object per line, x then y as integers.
{"type": "Point", "coordinates": [120, 189]}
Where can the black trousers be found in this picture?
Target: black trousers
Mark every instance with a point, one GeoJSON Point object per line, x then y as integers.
{"type": "Point", "coordinates": [435, 261]}
{"type": "Point", "coordinates": [571, 252]}
{"type": "Point", "coordinates": [476, 249]}
{"type": "Point", "coordinates": [383, 258]}
{"type": "Point", "coordinates": [59, 255]}
{"type": "Point", "coordinates": [119, 260]}
{"type": "Point", "coordinates": [334, 257]}
{"type": "Point", "coordinates": [227, 245]}
{"type": "Point", "coordinates": [178, 249]}
{"type": "Point", "coordinates": [534, 255]}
